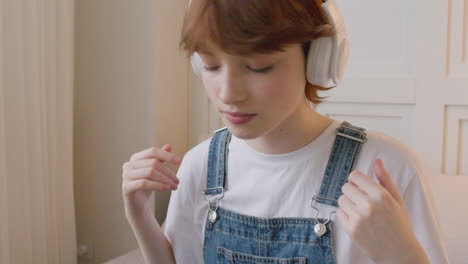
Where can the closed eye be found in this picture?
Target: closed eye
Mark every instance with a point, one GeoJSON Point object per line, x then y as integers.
{"type": "Point", "coordinates": [211, 68]}
{"type": "Point", "coordinates": [262, 70]}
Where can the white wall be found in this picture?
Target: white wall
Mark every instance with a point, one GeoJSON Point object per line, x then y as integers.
{"type": "Point", "coordinates": [115, 111]}
{"type": "Point", "coordinates": [130, 94]}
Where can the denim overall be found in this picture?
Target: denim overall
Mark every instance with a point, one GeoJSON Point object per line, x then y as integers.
{"type": "Point", "coordinates": [231, 237]}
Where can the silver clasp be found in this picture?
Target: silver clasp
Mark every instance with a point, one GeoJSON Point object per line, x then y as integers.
{"type": "Point", "coordinates": [351, 137]}
{"type": "Point", "coordinates": [212, 215]}
{"type": "Point", "coordinates": [320, 228]}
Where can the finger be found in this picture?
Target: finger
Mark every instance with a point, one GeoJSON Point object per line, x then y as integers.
{"type": "Point", "coordinates": [148, 173]}
{"type": "Point", "coordinates": [386, 180]}
{"type": "Point", "coordinates": [167, 147]}
{"type": "Point", "coordinates": [344, 220]}
{"type": "Point", "coordinates": [354, 193]}
{"type": "Point", "coordinates": [364, 183]}
{"type": "Point", "coordinates": [143, 184]}
{"type": "Point", "coordinates": [157, 153]}
{"type": "Point", "coordinates": [347, 206]}
{"type": "Point", "coordinates": [342, 216]}
{"type": "Point", "coordinates": [138, 164]}
{"type": "Point", "coordinates": [165, 170]}
{"type": "Point", "coordinates": [152, 163]}
{"type": "Point", "coordinates": [139, 174]}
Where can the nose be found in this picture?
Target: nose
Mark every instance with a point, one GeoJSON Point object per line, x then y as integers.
{"type": "Point", "coordinates": [231, 88]}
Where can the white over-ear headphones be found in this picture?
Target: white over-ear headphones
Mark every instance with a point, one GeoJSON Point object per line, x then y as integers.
{"type": "Point", "coordinates": [327, 56]}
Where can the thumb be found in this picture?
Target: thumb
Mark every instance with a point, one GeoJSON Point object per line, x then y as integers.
{"type": "Point", "coordinates": [386, 180]}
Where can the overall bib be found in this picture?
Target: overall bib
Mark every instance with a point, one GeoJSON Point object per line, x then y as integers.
{"type": "Point", "coordinates": [231, 237]}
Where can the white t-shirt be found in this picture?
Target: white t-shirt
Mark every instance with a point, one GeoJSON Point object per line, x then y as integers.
{"type": "Point", "coordinates": [282, 185]}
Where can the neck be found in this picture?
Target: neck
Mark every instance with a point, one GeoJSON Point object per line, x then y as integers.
{"type": "Point", "coordinates": [300, 129]}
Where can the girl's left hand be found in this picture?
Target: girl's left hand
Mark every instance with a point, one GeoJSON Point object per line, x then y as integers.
{"type": "Point", "coordinates": [375, 217]}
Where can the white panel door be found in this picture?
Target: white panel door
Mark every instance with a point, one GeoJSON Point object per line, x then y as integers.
{"type": "Point", "coordinates": [407, 76]}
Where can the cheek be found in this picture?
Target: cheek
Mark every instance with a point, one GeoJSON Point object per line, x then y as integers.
{"type": "Point", "coordinates": [209, 87]}
{"type": "Point", "coordinates": [278, 89]}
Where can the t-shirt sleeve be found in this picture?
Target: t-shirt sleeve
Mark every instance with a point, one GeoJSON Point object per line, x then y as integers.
{"type": "Point", "coordinates": [424, 217]}
{"type": "Point", "coordinates": [179, 224]}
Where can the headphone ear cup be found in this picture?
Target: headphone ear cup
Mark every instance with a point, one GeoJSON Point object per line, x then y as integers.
{"type": "Point", "coordinates": [328, 56]}
{"type": "Point", "coordinates": [341, 60]}
{"type": "Point", "coordinates": [318, 62]}
{"type": "Point", "coordinates": [326, 61]}
{"type": "Point", "coordinates": [196, 64]}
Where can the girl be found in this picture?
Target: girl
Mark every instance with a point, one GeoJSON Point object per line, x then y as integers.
{"type": "Point", "coordinates": [281, 183]}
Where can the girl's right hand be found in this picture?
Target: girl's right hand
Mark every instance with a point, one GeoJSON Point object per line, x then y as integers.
{"type": "Point", "coordinates": [145, 172]}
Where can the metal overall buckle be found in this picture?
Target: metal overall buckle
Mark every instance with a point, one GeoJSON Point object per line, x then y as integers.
{"type": "Point", "coordinates": [320, 228]}
{"type": "Point", "coordinates": [212, 215]}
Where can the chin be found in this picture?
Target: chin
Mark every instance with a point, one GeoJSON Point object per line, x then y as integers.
{"type": "Point", "coordinates": [245, 133]}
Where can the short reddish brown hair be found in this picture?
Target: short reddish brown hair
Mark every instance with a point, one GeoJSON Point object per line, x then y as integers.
{"type": "Point", "coordinates": [242, 27]}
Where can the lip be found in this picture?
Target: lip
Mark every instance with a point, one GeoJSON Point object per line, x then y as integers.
{"type": "Point", "coordinates": [239, 118]}
{"type": "Point", "coordinates": [238, 114]}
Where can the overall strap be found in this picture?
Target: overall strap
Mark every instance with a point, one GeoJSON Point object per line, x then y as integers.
{"type": "Point", "coordinates": [345, 149]}
{"type": "Point", "coordinates": [217, 161]}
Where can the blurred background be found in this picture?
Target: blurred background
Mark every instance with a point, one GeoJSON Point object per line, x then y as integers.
{"type": "Point", "coordinates": [85, 84]}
